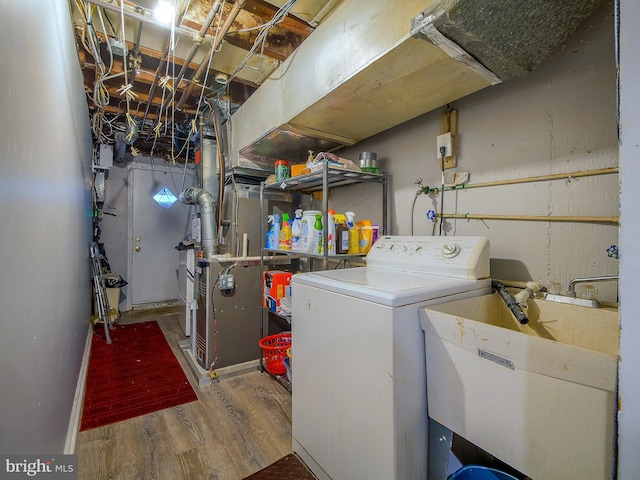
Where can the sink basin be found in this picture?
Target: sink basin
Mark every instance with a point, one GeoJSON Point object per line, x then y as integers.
{"type": "Point", "coordinates": [541, 396]}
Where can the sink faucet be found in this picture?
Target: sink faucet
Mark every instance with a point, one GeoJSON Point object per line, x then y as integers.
{"type": "Point", "coordinates": [571, 290]}
{"type": "Point", "coordinates": [570, 296]}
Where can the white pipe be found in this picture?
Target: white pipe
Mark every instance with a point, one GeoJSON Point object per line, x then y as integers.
{"type": "Point", "coordinates": [269, 258]}
{"type": "Point", "coordinates": [245, 244]}
{"type": "Point", "coordinates": [529, 289]}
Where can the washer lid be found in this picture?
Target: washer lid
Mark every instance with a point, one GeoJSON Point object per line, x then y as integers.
{"type": "Point", "coordinates": [387, 287]}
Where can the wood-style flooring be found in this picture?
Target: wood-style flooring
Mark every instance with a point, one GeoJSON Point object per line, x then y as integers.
{"type": "Point", "coordinates": [237, 426]}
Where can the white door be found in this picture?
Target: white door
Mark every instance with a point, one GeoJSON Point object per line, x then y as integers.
{"type": "Point", "coordinates": [157, 223]}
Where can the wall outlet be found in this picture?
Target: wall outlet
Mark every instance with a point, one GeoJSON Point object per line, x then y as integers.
{"type": "Point", "coordinates": [444, 140]}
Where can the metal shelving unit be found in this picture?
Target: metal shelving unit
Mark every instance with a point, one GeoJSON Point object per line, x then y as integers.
{"type": "Point", "coordinates": [323, 180]}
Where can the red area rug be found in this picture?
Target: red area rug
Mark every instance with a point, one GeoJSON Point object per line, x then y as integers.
{"type": "Point", "coordinates": [136, 374]}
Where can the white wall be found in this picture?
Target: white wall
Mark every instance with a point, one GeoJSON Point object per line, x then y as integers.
{"type": "Point", "coordinates": [629, 416]}
{"type": "Point", "coordinates": [560, 118]}
{"type": "Point", "coordinates": [45, 208]}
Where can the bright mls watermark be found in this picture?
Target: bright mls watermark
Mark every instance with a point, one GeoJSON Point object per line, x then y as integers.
{"type": "Point", "coordinates": [50, 467]}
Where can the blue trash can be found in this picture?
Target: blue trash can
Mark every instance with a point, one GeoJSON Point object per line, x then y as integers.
{"type": "Point", "coordinates": [478, 472]}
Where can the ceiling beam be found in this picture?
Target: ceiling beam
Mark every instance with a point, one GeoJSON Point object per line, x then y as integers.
{"type": "Point", "coordinates": [266, 11]}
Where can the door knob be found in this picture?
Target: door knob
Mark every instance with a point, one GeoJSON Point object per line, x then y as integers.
{"type": "Point", "coordinates": [137, 249]}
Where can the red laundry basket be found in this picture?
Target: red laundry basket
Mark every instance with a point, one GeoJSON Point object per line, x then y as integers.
{"type": "Point", "coordinates": [274, 350]}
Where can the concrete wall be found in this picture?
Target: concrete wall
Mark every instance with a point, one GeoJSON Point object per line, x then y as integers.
{"type": "Point", "coordinates": [45, 208]}
{"type": "Point", "coordinates": [560, 118]}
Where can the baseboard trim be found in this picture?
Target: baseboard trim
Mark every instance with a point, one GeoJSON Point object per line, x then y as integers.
{"type": "Point", "coordinates": [202, 375]}
{"type": "Point", "coordinates": [76, 409]}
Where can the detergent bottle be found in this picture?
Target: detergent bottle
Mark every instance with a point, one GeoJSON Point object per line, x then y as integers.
{"type": "Point", "coordinates": [331, 232]}
{"type": "Point", "coordinates": [354, 239]}
{"type": "Point", "coordinates": [306, 232]}
{"type": "Point", "coordinates": [285, 233]}
{"type": "Point", "coordinates": [296, 229]}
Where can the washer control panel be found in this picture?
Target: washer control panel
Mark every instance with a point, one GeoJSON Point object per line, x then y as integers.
{"type": "Point", "coordinates": [460, 257]}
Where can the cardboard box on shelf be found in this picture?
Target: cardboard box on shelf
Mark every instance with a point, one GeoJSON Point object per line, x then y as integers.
{"type": "Point", "coordinates": [296, 168]}
{"type": "Point", "coordinates": [274, 287]}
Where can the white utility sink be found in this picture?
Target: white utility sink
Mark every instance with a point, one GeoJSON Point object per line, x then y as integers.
{"type": "Point", "coordinates": [540, 397]}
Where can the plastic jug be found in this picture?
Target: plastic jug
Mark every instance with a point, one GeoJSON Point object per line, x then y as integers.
{"type": "Point", "coordinates": [306, 231]}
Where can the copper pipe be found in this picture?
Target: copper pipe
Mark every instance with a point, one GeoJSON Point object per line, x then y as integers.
{"type": "Point", "coordinates": [538, 178]}
{"type": "Point", "coordinates": [533, 218]}
{"type": "Point", "coordinates": [235, 10]}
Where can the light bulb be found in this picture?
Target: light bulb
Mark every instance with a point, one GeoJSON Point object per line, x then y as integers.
{"type": "Point", "coordinates": [164, 12]}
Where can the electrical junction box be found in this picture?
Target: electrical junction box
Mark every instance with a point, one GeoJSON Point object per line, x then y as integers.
{"type": "Point", "coordinates": [99, 185]}
{"type": "Point", "coordinates": [118, 47]}
{"type": "Point", "coordinates": [225, 282]}
{"type": "Point", "coordinates": [103, 158]}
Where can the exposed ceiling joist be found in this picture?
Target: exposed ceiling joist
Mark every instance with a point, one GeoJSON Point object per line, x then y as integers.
{"type": "Point", "coordinates": [169, 70]}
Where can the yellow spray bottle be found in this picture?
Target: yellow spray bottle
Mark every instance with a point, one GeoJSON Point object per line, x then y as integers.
{"type": "Point", "coordinates": [354, 241]}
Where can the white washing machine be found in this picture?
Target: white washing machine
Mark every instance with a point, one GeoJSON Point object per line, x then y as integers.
{"type": "Point", "coordinates": [359, 377]}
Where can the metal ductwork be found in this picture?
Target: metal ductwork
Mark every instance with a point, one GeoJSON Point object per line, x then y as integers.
{"type": "Point", "coordinates": [207, 203]}
{"type": "Point", "coordinates": [510, 38]}
{"type": "Point", "coordinates": [373, 64]}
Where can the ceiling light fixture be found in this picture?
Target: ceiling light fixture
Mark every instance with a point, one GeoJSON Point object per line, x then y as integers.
{"type": "Point", "coordinates": [164, 12]}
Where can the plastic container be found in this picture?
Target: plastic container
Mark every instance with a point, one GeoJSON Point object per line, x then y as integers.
{"type": "Point", "coordinates": [368, 160]}
{"type": "Point", "coordinates": [306, 231]}
{"type": "Point", "coordinates": [331, 232]}
{"type": "Point", "coordinates": [365, 235]}
{"type": "Point", "coordinates": [354, 237]}
{"type": "Point", "coordinates": [342, 234]}
{"type": "Point", "coordinates": [317, 235]}
{"type": "Point", "coordinates": [284, 242]}
{"type": "Point", "coordinates": [113, 293]}
{"type": "Point", "coordinates": [281, 170]}
{"type": "Point", "coordinates": [296, 229]}
{"type": "Point", "coordinates": [478, 472]}
{"type": "Point", "coordinates": [273, 235]}
{"type": "Point", "coordinates": [274, 351]}
{"type": "Point", "coordinates": [287, 366]}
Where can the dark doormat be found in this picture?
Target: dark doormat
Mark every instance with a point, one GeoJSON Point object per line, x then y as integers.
{"type": "Point", "coordinates": [287, 468]}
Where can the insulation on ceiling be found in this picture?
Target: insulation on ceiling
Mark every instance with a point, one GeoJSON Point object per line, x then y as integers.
{"type": "Point", "coordinates": [508, 37]}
